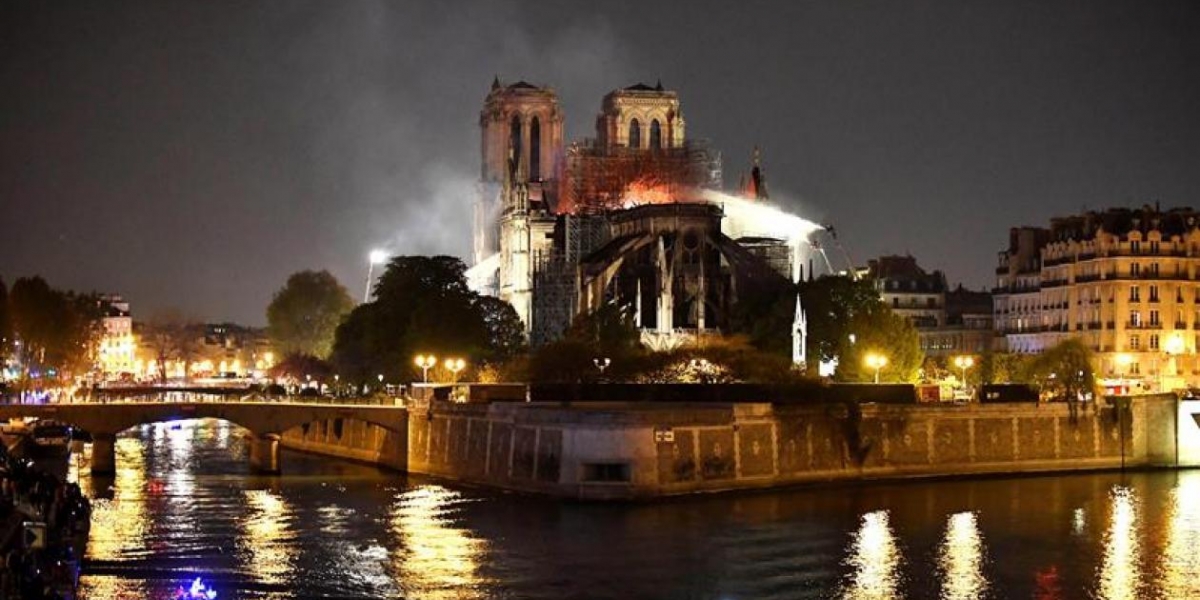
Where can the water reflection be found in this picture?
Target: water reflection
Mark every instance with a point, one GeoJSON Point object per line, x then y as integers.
{"type": "Point", "coordinates": [121, 523]}
{"type": "Point", "coordinates": [874, 559]}
{"type": "Point", "coordinates": [1120, 569]}
{"type": "Point", "coordinates": [269, 542]}
{"type": "Point", "coordinates": [1180, 566]}
{"type": "Point", "coordinates": [961, 559]}
{"type": "Point", "coordinates": [436, 558]}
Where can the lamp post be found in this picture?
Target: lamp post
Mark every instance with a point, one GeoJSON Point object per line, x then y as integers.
{"type": "Point", "coordinates": [425, 363]}
{"type": "Point", "coordinates": [454, 365]}
{"type": "Point", "coordinates": [875, 361]}
{"type": "Point", "coordinates": [964, 363]}
{"type": "Point", "coordinates": [376, 257]}
{"type": "Point", "coordinates": [602, 364]}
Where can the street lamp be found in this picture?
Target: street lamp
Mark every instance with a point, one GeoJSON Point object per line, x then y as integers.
{"type": "Point", "coordinates": [454, 365]}
{"type": "Point", "coordinates": [376, 257]}
{"type": "Point", "coordinates": [601, 364]}
{"type": "Point", "coordinates": [964, 363]}
{"type": "Point", "coordinates": [875, 361]}
{"type": "Point", "coordinates": [425, 363]}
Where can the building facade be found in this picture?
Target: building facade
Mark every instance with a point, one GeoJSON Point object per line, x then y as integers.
{"type": "Point", "coordinates": [625, 218]}
{"type": "Point", "coordinates": [1125, 281]}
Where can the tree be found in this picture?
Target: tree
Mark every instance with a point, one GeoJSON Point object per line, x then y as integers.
{"type": "Point", "coordinates": [883, 332]}
{"type": "Point", "coordinates": [1064, 371]}
{"type": "Point", "coordinates": [423, 306]}
{"type": "Point", "coordinates": [303, 315]}
{"type": "Point", "coordinates": [505, 331]}
{"type": "Point", "coordinates": [1003, 367]}
{"type": "Point", "coordinates": [56, 329]}
{"type": "Point", "coordinates": [831, 303]}
{"type": "Point", "coordinates": [170, 336]}
{"type": "Point", "coordinates": [766, 315]}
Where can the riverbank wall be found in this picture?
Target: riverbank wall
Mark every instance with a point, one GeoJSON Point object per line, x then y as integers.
{"type": "Point", "coordinates": [351, 439]}
{"type": "Point", "coordinates": [600, 450]}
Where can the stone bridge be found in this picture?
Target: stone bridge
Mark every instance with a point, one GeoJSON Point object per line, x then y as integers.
{"type": "Point", "coordinates": [265, 420]}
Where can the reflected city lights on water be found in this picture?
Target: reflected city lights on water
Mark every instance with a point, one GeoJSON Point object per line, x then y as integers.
{"type": "Point", "coordinates": [1120, 569]}
{"type": "Point", "coordinates": [120, 524]}
{"type": "Point", "coordinates": [961, 559]}
{"type": "Point", "coordinates": [874, 558]}
{"type": "Point", "coordinates": [268, 539]}
{"type": "Point", "coordinates": [1078, 522]}
{"type": "Point", "coordinates": [1180, 566]}
{"type": "Point", "coordinates": [436, 559]}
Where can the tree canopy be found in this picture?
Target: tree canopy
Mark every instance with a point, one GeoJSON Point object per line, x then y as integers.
{"type": "Point", "coordinates": [1064, 371]}
{"type": "Point", "coordinates": [423, 306]}
{"type": "Point", "coordinates": [303, 316]}
{"type": "Point", "coordinates": [57, 329]}
{"type": "Point", "coordinates": [831, 303]}
{"type": "Point", "coordinates": [880, 331]}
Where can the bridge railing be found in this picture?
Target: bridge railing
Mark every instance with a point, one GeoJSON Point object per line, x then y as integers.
{"type": "Point", "coordinates": [191, 396]}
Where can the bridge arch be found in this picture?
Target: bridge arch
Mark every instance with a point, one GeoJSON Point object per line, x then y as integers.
{"type": "Point", "coordinates": [266, 421]}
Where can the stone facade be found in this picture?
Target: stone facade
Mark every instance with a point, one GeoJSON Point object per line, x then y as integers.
{"type": "Point", "coordinates": [1127, 282]}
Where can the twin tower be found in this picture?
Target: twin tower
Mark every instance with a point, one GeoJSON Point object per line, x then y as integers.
{"type": "Point", "coordinates": [531, 181]}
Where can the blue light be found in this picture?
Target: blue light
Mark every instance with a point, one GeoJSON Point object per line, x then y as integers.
{"type": "Point", "coordinates": [197, 591]}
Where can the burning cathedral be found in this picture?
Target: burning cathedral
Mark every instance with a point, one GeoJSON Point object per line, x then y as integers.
{"type": "Point", "coordinates": [633, 217]}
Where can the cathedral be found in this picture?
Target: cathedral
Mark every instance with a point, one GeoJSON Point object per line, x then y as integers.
{"type": "Point", "coordinates": [634, 217]}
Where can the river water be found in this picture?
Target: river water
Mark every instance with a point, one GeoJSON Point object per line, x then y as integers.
{"type": "Point", "coordinates": [183, 504]}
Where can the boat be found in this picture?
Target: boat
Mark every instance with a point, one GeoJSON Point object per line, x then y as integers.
{"type": "Point", "coordinates": [50, 438]}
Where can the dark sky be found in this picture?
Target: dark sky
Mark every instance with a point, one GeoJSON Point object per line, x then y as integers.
{"type": "Point", "coordinates": [192, 155]}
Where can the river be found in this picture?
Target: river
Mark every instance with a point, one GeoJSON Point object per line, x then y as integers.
{"type": "Point", "coordinates": [183, 504]}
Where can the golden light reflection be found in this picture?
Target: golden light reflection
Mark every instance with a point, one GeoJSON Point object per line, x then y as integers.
{"type": "Point", "coordinates": [874, 557]}
{"type": "Point", "coordinates": [120, 525]}
{"type": "Point", "coordinates": [961, 559]}
{"type": "Point", "coordinates": [435, 559]}
{"type": "Point", "coordinates": [1180, 567]}
{"type": "Point", "coordinates": [1120, 570]}
{"type": "Point", "coordinates": [268, 539]}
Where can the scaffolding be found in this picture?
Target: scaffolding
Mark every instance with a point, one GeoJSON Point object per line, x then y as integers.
{"type": "Point", "coordinates": [598, 178]}
{"type": "Point", "coordinates": [555, 284]}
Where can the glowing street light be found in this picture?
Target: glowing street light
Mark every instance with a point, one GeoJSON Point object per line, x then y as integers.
{"type": "Point", "coordinates": [875, 361]}
{"type": "Point", "coordinates": [964, 363]}
{"type": "Point", "coordinates": [454, 365]}
{"type": "Point", "coordinates": [425, 363]}
{"type": "Point", "coordinates": [376, 257]}
{"type": "Point", "coordinates": [601, 364]}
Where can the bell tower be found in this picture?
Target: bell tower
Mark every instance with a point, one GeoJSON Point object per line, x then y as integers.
{"type": "Point", "coordinates": [521, 151]}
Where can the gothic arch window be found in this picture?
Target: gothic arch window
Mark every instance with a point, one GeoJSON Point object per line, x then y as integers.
{"type": "Point", "coordinates": [655, 135]}
{"type": "Point", "coordinates": [514, 145]}
{"type": "Point", "coordinates": [635, 134]}
{"type": "Point", "coordinates": [535, 150]}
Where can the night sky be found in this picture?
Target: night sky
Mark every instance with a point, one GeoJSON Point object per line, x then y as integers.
{"type": "Point", "coordinates": [192, 155]}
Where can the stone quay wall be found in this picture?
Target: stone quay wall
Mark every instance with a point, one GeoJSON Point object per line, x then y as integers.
{"type": "Point", "coordinates": [644, 450]}
{"type": "Point", "coordinates": [351, 439]}
{"type": "Point", "coordinates": [639, 451]}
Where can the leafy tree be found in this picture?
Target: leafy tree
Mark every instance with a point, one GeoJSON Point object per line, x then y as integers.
{"type": "Point", "coordinates": [56, 329]}
{"type": "Point", "coordinates": [303, 316]}
{"type": "Point", "coordinates": [505, 332]}
{"type": "Point", "coordinates": [880, 331]}
{"type": "Point", "coordinates": [765, 316]}
{"type": "Point", "coordinates": [423, 306]}
{"type": "Point", "coordinates": [1003, 367]}
{"type": "Point", "coordinates": [1064, 371]}
{"type": "Point", "coordinates": [831, 304]}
